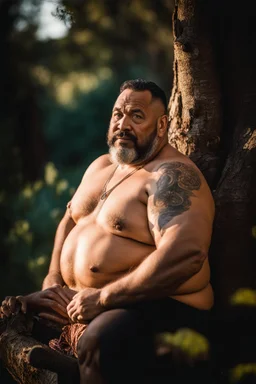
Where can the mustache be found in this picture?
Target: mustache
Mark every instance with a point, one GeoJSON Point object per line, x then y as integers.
{"type": "Point", "coordinates": [121, 135]}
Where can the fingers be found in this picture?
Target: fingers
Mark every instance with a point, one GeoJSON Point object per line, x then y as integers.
{"type": "Point", "coordinates": [77, 318]}
{"type": "Point", "coordinates": [81, 319]}
{"type": "Point", "coordinates": [71, 312]}
{"type": "Point", "coordinates": [76, 314]}
{"type": "Point", "coordinates": [55, 306]}
{"type": "Point", "coordinates": [53, 317]}
{"type": "Point", "coordinates": [70, 293]}
{"type": "Point", "coordinates": [70, 305]}
{"type": "Point", "coordinates": [13, 305]}
{"type": "Point", "coordinates": [72, 309]}
{"type": "Point", "coordinates": [55, 293]}
{"type": "Point", "coordinates": [23, 303]}
{"type": "Point", "coordinates": [5, 310]}
{"type": "Point", "coordinates": [58, 289]}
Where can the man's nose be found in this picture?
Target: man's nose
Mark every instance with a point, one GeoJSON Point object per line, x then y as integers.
{"type": "Point", "coordinates": [124, 124]}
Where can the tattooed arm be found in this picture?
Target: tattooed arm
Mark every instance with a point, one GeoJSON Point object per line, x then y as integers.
{"type": "Point", "coordinates": [180, 214]}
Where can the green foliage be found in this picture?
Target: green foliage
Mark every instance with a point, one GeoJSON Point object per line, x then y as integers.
{"type": "Point", "coordinates": [189, 341]}
{"type": "Point", "coordinates": [38, 209]}
{"type": "Point", "coordinates": [76, 134]}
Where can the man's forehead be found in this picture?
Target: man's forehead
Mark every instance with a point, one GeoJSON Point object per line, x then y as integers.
{"type": "Point", "coordinates": [130, 97]}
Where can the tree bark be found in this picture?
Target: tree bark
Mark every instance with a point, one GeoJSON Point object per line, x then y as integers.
{"type": "Point", "coordinates": [195, 111]}
{"type": "Point", "coordinates": [212, 120]}
{"type": "Point", "coordinates": [15, 345]}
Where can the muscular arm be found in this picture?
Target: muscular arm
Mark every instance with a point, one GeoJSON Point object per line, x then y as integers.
{"type": "Point", "coordinates": [182, 231]}
{"type": "Point", "coordinates": [54, 274]}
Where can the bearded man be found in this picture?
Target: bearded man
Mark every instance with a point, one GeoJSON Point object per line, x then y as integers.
{"type": "Point", "coordinates": [130, 256]}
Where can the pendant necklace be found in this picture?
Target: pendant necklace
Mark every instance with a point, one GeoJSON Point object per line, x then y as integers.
{"type": "Point", "coordinates": [106, 193]}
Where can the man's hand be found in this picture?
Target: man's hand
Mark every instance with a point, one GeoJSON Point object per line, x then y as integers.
{"type": "Point", "coordinates": [50, 303]}
{"type": "Point", "coordinates": [12, 305]}
{"type": "Point", "coordinates": [85, 305]}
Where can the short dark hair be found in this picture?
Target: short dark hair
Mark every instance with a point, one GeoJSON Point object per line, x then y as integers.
{"type": "Point", "coordinates": [144, 85]}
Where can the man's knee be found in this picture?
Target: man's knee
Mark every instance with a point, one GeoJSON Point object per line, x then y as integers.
{"type": "Point", "coordinates": [107, 331]}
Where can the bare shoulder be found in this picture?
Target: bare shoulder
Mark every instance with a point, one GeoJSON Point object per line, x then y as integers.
{"type": "Point", "coordinates": [183, 178]}
{"type": "Point", "coordinates": [100, 163]}
{"type": "Point", "coordinates": [176, 171]}
{"type": "Point", "coordinates": [95, 167]}
{"type": "Point", "coordinates": [179, 193]}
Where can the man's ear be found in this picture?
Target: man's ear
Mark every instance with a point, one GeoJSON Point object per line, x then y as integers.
{"type": "Point", "coordinates": [162, 125]}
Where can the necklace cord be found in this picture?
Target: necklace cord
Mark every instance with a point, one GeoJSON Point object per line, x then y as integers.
{"type": "Point", "coordinates": [106, 193]}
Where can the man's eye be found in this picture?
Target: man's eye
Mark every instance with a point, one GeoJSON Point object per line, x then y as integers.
{"type": "Point", "coordinates": [137, 116]}
{"type": "Point", "coordinates": [117, 116]}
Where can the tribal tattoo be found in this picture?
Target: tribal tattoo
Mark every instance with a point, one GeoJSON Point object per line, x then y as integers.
{"type": "Point", "coordinates": [174, 190]}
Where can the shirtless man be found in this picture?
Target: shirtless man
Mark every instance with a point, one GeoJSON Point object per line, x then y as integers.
{"type": "Point", "coordinates": [131, 253]}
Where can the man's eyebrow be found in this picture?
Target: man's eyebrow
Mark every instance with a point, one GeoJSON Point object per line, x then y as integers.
{"type": "Point", "coordinates": [133, 110]}
{"type": "Point", "coordinates": [137, 110]}
{"type": "Point", "coordinates": [116, 109]}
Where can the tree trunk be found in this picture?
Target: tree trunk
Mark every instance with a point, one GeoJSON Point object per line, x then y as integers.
{"type": "Point", "coordinates": [195, 111]}
{"type": "Point", "coordinates": [212, 120]}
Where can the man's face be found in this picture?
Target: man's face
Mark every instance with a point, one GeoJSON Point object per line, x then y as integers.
{"type": "Point", "coordinates": [132, 135]}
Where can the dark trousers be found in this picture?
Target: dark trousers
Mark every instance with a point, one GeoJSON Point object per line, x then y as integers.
{"type": "Point", "coordinates": [118, 346]}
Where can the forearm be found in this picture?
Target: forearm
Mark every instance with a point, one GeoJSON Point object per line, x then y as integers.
{"type": "Point", "coordinates": [54, 274]}
{"type": "Point", "coordinates": [51, 279]}
{"type": "Point", "coordinates": [157, 276]}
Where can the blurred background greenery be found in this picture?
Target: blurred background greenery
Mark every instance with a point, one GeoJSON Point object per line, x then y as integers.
{"type": "Point", "coordinates": [61, 68]}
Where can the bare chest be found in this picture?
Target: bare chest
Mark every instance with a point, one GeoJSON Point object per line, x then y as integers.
{"type": "Point", "coordinates": [122, 211]}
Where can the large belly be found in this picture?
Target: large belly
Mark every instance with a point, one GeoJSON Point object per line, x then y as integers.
{"type": "Point", "coordinates": [92, 256]}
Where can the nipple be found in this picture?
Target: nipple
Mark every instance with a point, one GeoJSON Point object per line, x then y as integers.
{"type": "Point", "coordinates": [93, 268]}
{"type": "Point", "coordinates": [118, 227]}
{"type": "Point", "coordinates": [69, 208]}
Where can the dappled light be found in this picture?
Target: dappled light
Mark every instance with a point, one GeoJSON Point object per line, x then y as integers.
{"type": "Point", "coordinates": [187, 340]}
{"type": "Point", "coordinates": [251, 139]}
{"type": "Point", "coordinates": [241, 371]}
{"type": "Point", "coordinates": [50, 173]}
{"type": "Point", "coordinates": [244, 296]}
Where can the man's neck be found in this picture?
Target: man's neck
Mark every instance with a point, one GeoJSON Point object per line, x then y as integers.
{"type": "Point", "coordinates": [159, 148]}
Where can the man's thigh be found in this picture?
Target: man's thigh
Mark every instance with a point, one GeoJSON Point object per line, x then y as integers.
{"type": "Point", "coordinates": [115, 342]}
